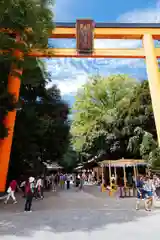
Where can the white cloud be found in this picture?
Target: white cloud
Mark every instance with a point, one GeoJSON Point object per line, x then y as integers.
{"type": "Point", "coordinates": [114, 43]}
{"type": "Point", "coordinates": [141, 16]}
{"type": "Point", "coordinates": [70, 86]}
{"type": "Point", "coordinates": [70, 74]}
{"type": "Point", "coordinates": [62, 10]}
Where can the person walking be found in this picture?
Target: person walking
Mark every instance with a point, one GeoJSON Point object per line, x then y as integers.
{"type": "Point", "coordinates": [156, 182]}
{"type": "Point", "coordinates": [47, 182]}
{"type": "Point", "coordinates": [62, 181]}
{"type": "Point", "coordinates": [22, 187]}
{"type": "Point", "coordinates": [140, 191]}
{"type": "Point", "coordinates": [29, 192]}
{"type": "Point", "coordinates": [11, 191]}
{"type": "Point", "coordinates": [39, 188]}
{"type": "Point", "coordinates": [68, 181]}
{"type": "Point", "coordinates": [53, 180]}
{"type": "Point", "coordinates": [149, 189]}
{"type": "Point", "coordinates": [56, 180]}
{"type": "Point", "coordinates": [77, 182]}
{"type": "Point", "coordinates": [81, 182]}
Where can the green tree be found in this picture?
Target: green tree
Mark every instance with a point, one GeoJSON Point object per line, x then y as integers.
{"type": "Point", "coordinates": [154, 158]}
{"type": "Point", "coordinates": [96, 122]}
{"type": "Point", "coordinates": [33, 22]}
{"type": "Point", "coordinates": [115, 115]}
{"type": "Point", "coordinates": [70, 159]}
{"type": "Point", "coordinates": [140, 117]}
{"type": "Point", "coordinates": [148, 145]}
{"type": "Point", "coordinates": [141, 144]}
{"type": "Point", "coordinates": [41, 130]}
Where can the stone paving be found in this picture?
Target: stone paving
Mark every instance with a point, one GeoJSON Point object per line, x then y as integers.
{"type": "Point", "coordinates": [71, 215]}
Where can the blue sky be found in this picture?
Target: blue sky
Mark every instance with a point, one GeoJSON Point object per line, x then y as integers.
{"type": "Point", "coordinates": [71, 74]}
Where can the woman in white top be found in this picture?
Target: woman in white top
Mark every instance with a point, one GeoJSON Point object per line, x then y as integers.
{"type": "Point", "coordinates": [22, 187]}
{"type": "Point", "coordinates": [149, 188]}
{"type": "Point", "coordinates": [156, 182]}
{"type": "Point", "coordinates": [39, 187]}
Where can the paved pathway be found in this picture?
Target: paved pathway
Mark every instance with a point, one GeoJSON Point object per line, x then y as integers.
{"type": "Point", "coordinates": [79, 215]}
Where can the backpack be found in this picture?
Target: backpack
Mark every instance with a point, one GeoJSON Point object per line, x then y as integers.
{"type": "Point", "coordinates": [28, 188]}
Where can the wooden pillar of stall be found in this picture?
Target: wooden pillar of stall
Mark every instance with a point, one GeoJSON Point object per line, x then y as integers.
{"type": "Point", "coordinates": [135, 172]}
{"type": "Point", "coordinates": [102, 174]}
{"type": "Point", "coordinates": [103, 188]}
{"type": "Point", "coordinates": [98, 173]}
{"type": "Point", "coordinates": [110, 181]}
{"type": "Point", "coordinates": [110, 175]}
{"type": "Point", "coordinates": [14, 83]}
{"type": "Point", "coordinates": [124, 175]}
{"type": "Point", "coordinates": [125, 179]}
{"type": "Point", "coordinates": [135, 178]}
{"type": "Point", "coordinates": [115, 174]}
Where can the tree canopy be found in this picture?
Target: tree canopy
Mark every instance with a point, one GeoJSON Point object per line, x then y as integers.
{"type": "Point", "coordinates": [70, 159]}
{"type": "Point", "coordinates": [33, 22]}
{"type": "Point", "coordinates": [42, 128]}
{"type": "Point", "coordinates": [114, 115]}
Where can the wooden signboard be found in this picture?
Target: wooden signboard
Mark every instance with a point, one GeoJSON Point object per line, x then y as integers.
{"type": "Point", "coordinates": [85, 36]}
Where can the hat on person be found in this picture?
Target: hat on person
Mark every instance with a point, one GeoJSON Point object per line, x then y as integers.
{"type": "Point", "coordinates": [31, 179]}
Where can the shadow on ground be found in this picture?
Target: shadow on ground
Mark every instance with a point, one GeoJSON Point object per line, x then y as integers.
{"type": "Point", "coordinates": [68, 212]}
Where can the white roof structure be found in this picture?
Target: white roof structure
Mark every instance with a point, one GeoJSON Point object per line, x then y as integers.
{"type": "Point", "coordinates": [52, 166]}
{"type": "Point", "coordinates": [79, 167]}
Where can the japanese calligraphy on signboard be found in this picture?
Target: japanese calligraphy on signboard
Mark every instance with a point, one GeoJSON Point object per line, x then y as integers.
{"type": "Point", "coordinates": [85, 36]}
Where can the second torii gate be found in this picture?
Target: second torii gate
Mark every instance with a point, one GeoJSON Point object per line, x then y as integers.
{"type": "Point", "coordinates": [85, 31]}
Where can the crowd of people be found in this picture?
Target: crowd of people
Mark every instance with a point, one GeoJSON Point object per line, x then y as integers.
{"type": "Point", "coordinates": [34, 187]}
{"type": "Point", "coordinates": [148, 189]}
{"type": "Point", "coordinates": [31, 188]}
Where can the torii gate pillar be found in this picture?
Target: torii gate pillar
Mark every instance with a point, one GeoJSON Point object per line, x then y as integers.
{"type": "Point", "coordinates": [153, 78]}
{"type": "Point", "coordinates": [14, 83]}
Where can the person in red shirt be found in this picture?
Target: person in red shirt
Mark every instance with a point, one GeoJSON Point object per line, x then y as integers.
{"type": "Point", "coordinates": [29, 190]}
{"type": "Point", "coordinates": [11, 191]}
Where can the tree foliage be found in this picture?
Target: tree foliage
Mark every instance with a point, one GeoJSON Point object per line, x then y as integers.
{"type": "Point", "coordinates": [33, 22]}
{"type": "Point", "coordinates": [154, 157]}
{"type": "Point", "coordinates": [41, 129]}
{"type": "Point", "coordinates": [114, 114]}
{"type": "Point", "coordinates": [70, 159]}
{"type": "Point", "coordinates": [96, 120]}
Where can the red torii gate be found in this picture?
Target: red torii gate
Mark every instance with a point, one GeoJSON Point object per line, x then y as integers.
{"type": "Point", "coordinates": [85, 31]}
